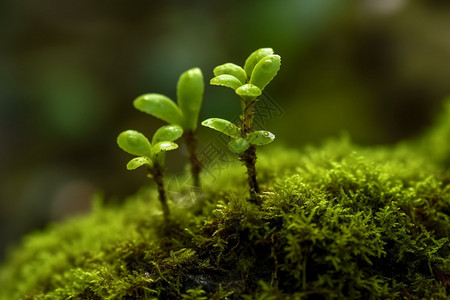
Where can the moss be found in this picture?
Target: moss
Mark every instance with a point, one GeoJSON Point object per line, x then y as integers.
{"type": "Point", "coordinates": [335, 221]}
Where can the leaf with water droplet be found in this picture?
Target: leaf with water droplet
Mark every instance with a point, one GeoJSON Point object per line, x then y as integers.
{"type": "Point", "coordinates": [139, 161]}
{"type": "Point", "coordinates": [160, 107]}
{"type": "Point", "coordinates": [248, 92]}
{"type": "Point", "coordinates": [227, 81]}
{"type": "Point", "coordinates": [167, 133]}
{"type": "Point", "coordinates": [224, 126]}
{"type": "Point", "coordinates": [159, 151]}
{"type": "Point", "coordinates": [134, 143]}
{"type": "Point", "coordinates": [260, 137]}
{"type": "Point", "coordinates": [190, 89]}
{"type": "Point", "coordinates": [265, 70]}
{"type": "Point", "coordinates": [254, 58]}
{"type": "Point", "coordinates": [163, 146]}
{"type": "Point", "coordinates": [238, 145]}
{"type": "Point", "coordinates": [231, 69]}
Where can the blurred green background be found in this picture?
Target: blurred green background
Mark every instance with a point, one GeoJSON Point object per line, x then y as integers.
{"type": "Point", "coordinates": [70, 70]}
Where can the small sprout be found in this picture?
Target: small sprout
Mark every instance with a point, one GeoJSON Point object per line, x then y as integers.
{"type": "Point", "coordinates": [248, 83]}
{"type": "Point", "coordinates": [152, 154]}
{"type": "Point", "coordinates": [190, 88]}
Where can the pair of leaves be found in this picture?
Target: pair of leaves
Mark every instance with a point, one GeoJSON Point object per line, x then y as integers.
{"type": "Point", "coordinates": [239, 144]}
{"type": "Point", "coordinates": [149, 154]}
{"type": "Point", "coordinates": [190, 90]}
{"type": "Point", "coordinates": [248, 82]}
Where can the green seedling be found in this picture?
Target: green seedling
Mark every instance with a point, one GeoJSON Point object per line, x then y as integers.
{"type": "Point", "coordinates": [152, 155]}
{"type": "Point", "coordinates": [190, 89]}
{"type": "Point", "coordinates": [248, 83]}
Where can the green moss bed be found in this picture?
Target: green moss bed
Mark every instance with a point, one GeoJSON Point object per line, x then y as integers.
{"type": "Point", "coordinates": [335, 221]}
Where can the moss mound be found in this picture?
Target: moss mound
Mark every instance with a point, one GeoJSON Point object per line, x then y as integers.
{"type": "Point", "coordinates": [336, 221]}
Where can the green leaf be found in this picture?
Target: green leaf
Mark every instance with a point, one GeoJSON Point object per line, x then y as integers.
{"type": "Point", "coordinates": [163, 146]}
{"type": "Point", "coordinates": [260, 137]}
{"type": "Point", "coordinates": [159, 151]}
{"type": "Point", "coordinates": [248, 92]}
{"type": "Point", "coordinates": [160, 107]}
{"type": "Point", "coordinates": [238, 145]}
{"type": "Point", "coordinates": [167, 133]}
{"type": "Point", "coordinates": [139, 161]}
{"type": "Point", "coordinates": [190, 95]}
{"type": "Point", "coordinates": [224, 126]}
{"type": "Point", "coordinates": [226, 80]}
{"type": "Point", "coordinates": [254, 58]}
{"type": "Point", "coordinates": [231, 69]}
{"type": "Point", "coordinates": [265, 70]}
{"type": "Point", "coordinates": [134, 143]}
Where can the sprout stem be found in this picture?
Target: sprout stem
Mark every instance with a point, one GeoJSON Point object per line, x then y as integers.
{"type": "Point", "coordinates": [249, 159]}
{"type": "Point", "coordinates": [191, 144]}
{"type": "Point", "coordinates": [157, 174]}
{"type": "Point", "coordinates": [249, 155]}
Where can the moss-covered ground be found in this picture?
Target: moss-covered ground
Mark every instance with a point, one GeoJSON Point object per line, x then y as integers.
{"type": "Point", "coordinates": [335, 221]}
